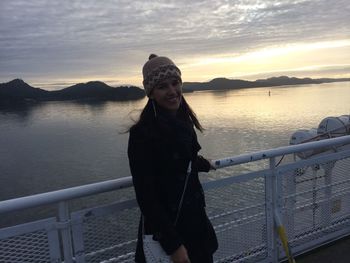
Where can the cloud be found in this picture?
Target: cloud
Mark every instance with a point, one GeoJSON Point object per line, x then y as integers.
{"type": "Point", "coordinates": [109, 37]}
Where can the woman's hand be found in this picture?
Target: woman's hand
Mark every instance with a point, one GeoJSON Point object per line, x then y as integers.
{"type": "Point", "coordinates": [212, 164]}
{"type": "Point", "coordinates": [180, 255]}
{"type": "Point", "coordinates": [204, 165]}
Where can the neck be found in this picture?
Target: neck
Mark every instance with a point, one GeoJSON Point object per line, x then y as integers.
{"type": "Point", "coordinates": [172, 112]}
{"type": "Point", "coordinates": [168, 112]}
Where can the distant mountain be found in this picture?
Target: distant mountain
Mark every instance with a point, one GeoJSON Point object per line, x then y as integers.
{"type": "Point", "coordinates": [220, 84]}
{"type": "Point", "coordinates": [18, 91]}
{"type": "Point", "coordinates": [226, 84]}
{"type": "Point", "coordinates": [284, 80]}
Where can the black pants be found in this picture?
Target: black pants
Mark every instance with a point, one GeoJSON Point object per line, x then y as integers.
{"type": "Point", "coordinates": [195, 258]}
{"type": "Point", "coordinates": [201, 257]}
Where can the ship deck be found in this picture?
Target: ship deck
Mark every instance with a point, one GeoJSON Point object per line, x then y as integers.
{"type": "Point", "coordinates": [335, 252]}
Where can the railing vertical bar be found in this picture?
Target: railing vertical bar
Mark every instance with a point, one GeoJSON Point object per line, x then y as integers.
{"type": "Point", "coordinates": [78, 239]}
{"type": "Point", "coordinates": [278, 203]}
{"type": "Point", "coordinates": [54, 244]}
{"type": "Point", "coordinates": [64, 222]}
{"type": "Point", "coordinates": [270, 198]}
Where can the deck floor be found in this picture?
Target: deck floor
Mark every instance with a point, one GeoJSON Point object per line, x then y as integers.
{"type": "Point", "coordinates": [337, 252]}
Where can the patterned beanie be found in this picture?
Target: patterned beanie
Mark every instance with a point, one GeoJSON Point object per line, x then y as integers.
{"type": "Point", "coordinates": [158, 69]}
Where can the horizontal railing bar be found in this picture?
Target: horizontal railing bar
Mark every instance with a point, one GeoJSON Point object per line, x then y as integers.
{"type": "Point", "coordinates": [110, 185]}
{"type": "Point", "coordinates": [236, 179]}
{"type": "Point", "coordinates": [338, 222]}
{"type": "Point", "coordinates": [265, 154]}
{"type": "Point", "coordinates": [319, 159]}
{"type": "Point", "coordinates": [304, 205]}
{"type": "Point", "coordinates": [236, 211]}
{"type": "Point", "coordinates": [125, 257]}
{"type": "Point", "coordinates": [317, 189]}
{"type": "Point", "coordinates": [236, 222]}
{"type": "Point", "coordinates": [64, 194]}
{"type": "Point", "coordinates": [245, 255]}
{"type": "Point", "coordinates": [111, 248]}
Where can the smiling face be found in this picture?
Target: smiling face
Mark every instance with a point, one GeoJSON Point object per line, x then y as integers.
{"type": "Point", "coordinates": [167, 94]}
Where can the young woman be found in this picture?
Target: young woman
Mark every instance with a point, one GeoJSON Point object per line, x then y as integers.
{"type": "Point", "coordinates": [162, 144]}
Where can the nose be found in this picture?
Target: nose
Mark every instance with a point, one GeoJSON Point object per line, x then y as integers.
{"type": "Point", "coordinates": [172, 89]}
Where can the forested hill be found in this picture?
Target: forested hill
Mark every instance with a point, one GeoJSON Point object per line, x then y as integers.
{"type": "Point", "coordinates": [17, 90]}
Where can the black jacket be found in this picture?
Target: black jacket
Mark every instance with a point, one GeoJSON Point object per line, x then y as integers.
{"type": "Point", "coordinates": [159, 153]}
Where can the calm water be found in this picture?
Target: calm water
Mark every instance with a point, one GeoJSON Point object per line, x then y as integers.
{"type": "Point", "coordinates": [62, 144]}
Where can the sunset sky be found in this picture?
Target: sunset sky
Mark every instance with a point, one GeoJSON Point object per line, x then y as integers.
{"type": "Point", "coordinates": [50, 44]}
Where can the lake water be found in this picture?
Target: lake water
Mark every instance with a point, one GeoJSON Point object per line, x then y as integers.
{"type": "Point", "coordinates": [55, 145]}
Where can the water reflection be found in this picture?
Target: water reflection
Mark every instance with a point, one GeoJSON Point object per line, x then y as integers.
{"type": "Point", "coordinates": [25, 112]}
{"type": "Point", "coordinates": [18, 112]}
{"type": "Point", "coordinates": [94, 106]}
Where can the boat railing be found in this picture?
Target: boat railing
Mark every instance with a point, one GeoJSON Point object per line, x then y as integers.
{"type": "Point", "coordinates": [308, 198]}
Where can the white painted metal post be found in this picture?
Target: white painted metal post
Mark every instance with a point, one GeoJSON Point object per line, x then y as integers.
{"type": "Point", "coordinates": [65, 230]}
{"type": "Point", "coordinates": [271, 203]}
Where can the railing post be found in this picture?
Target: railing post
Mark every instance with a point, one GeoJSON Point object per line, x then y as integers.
{"type": "Point", "coordinates": [271, 204]}
{"type": "Point", "coordinates": [65, 230]}
{"type": "Point", "coordinates": [278, 207]}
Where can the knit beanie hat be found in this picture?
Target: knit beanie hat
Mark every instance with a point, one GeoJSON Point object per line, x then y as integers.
{"type": "Point", "coordinates": [157, 69]}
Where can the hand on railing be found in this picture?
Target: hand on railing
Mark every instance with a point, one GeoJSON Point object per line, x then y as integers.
{"type": "Point", "coordinates": [212, 164]}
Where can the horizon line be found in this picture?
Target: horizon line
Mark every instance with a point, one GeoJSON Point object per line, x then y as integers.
{"type": "Point", "coordinates": [123, 85]}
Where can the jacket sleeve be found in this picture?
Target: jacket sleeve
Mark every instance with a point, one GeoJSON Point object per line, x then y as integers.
{"type": "Point", "coordinates": [142, 165]}
{"type": "Point", "coordinates": [202, 164]}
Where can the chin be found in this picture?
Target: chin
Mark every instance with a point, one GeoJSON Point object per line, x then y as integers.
{"type": "Point", "coordinates": [171, 107]}
{"type": "Point", "coordinates": [174, 107]}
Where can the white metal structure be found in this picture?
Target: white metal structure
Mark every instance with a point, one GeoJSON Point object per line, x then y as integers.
{"type": "Point", "coordinates": [311, 198]}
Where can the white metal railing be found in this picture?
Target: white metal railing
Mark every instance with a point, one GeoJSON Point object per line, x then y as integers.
{"type": "Point", "coordinates": [64, 194]}
{"type": "Point", "coordinates": [309, 198]}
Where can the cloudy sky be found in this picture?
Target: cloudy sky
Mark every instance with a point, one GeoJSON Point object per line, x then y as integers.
{"type": "Point", "coordinates": [53, 43]}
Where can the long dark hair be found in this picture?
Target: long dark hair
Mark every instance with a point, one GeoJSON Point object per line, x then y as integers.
{"type": "Point", "coordinates": [185, 113]}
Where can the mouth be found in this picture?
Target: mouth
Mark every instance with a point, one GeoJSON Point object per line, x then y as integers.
{"type": "Point", "coordinates": [173, 99]}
